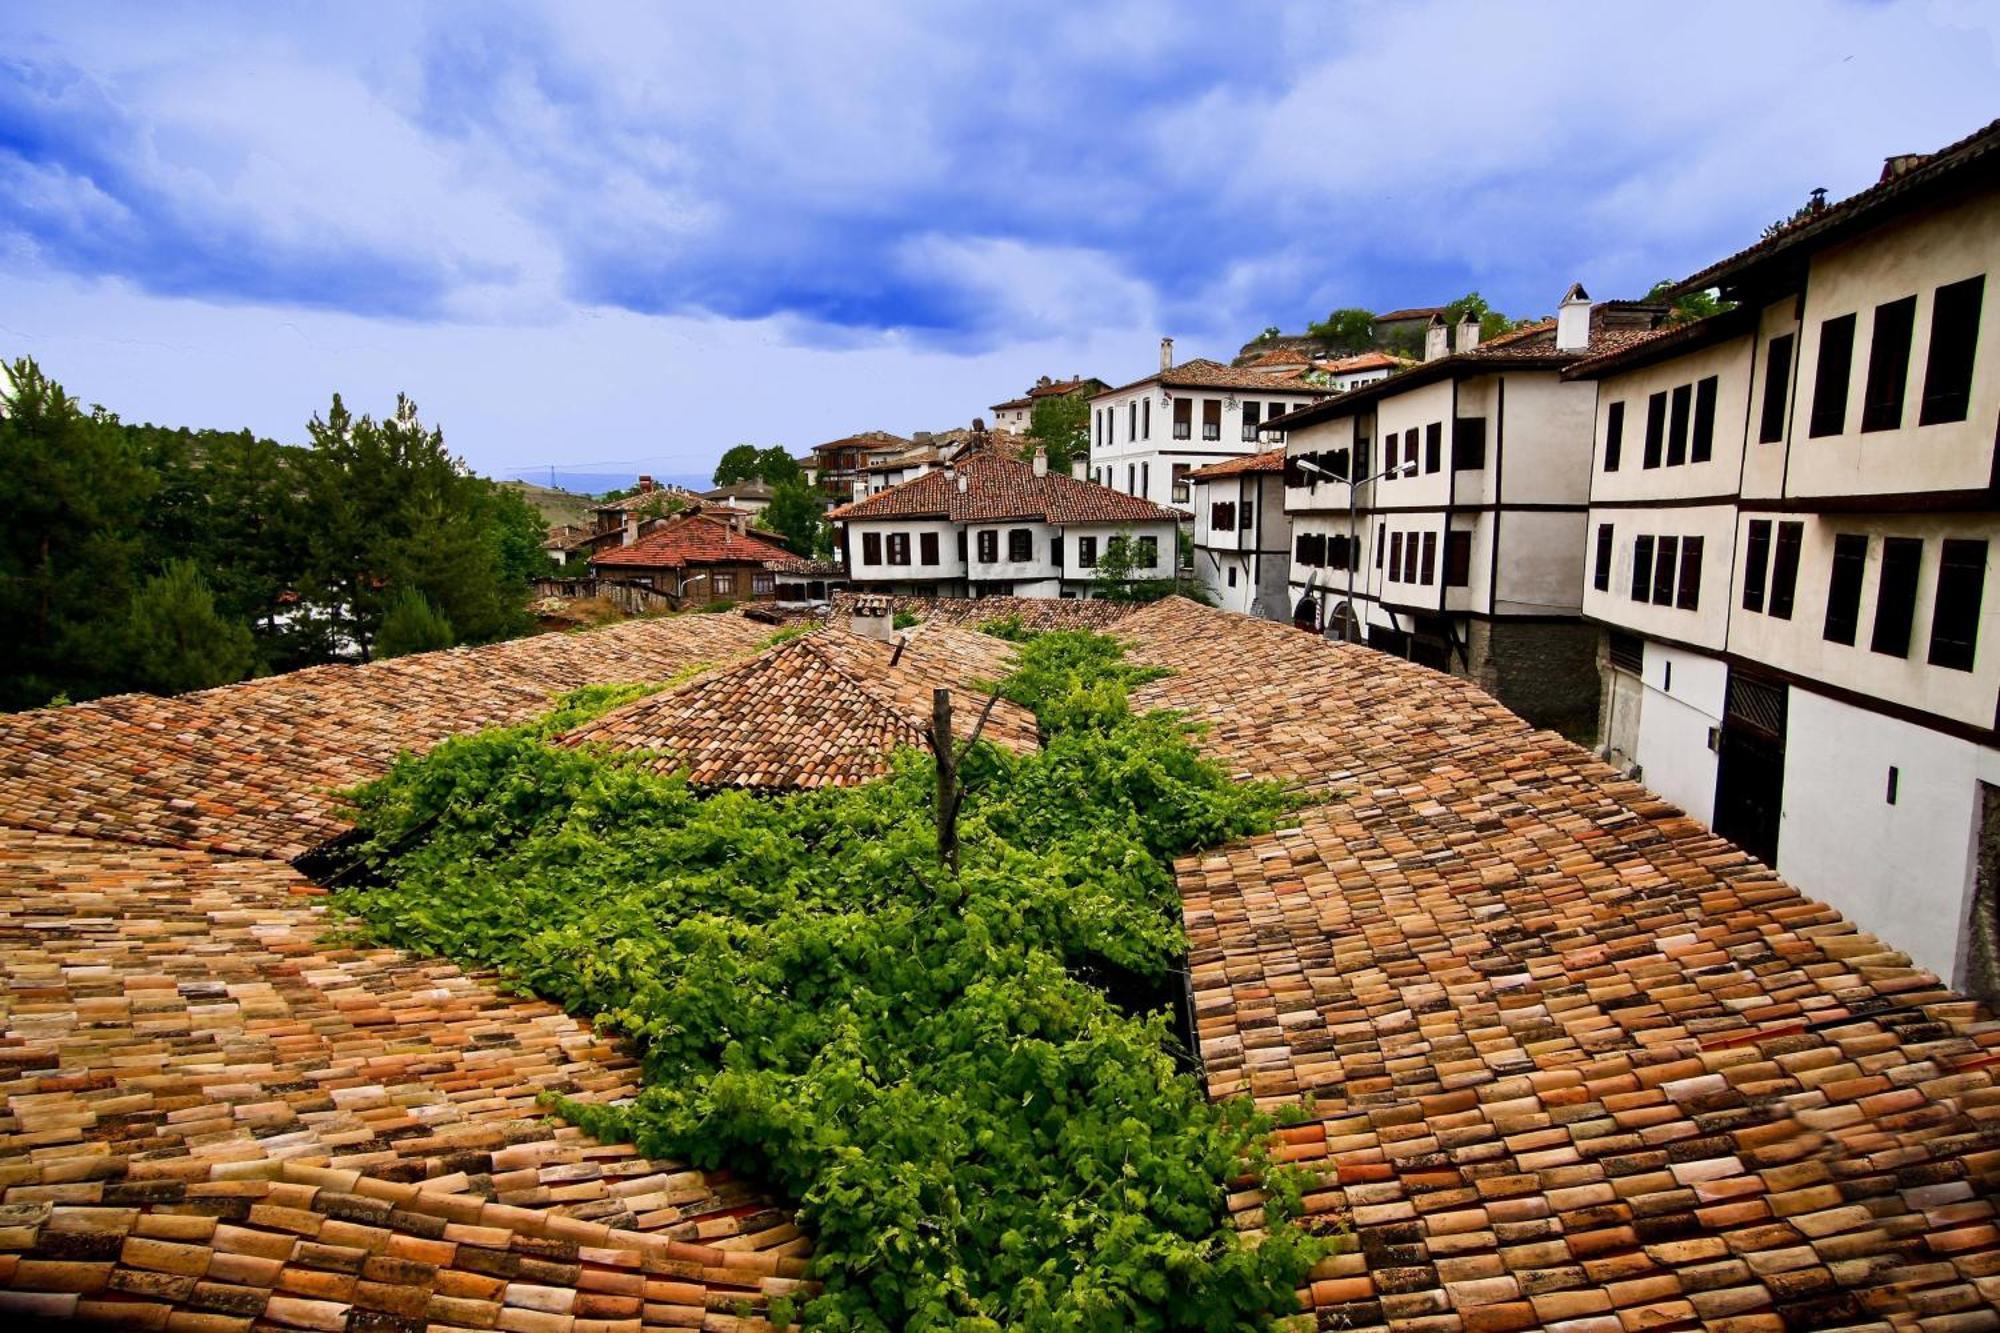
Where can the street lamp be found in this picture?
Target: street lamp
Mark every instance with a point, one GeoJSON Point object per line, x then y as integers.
{"type": "Point", "coordinates": [1307, 465]}
{"type": "Point", "coordinates": [680, 588]}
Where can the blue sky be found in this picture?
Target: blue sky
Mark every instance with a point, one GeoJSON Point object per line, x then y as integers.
{"type": "Point", "coordinates": [634, 235]}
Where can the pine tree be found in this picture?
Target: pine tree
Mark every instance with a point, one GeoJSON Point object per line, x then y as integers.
{"type": "Point", "coordinates": [176, 641]}
{"type": "Point", "coordinates": [412, 625]}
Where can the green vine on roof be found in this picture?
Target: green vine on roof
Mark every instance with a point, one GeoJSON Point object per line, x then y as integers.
{"type": "Point", "coordinates": [928, 1064]}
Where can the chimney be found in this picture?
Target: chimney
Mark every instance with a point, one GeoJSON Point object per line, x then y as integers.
{"type": "Point", "coordinates": [961, 483]}
{"type": "Point", "coordinates": [873, 617]}
{"type": "Point", "coordinates": [861, 488]}
{"type": "Point", "coordinates": [1573, 320]}
{"type": "Point", "coordinates": [1436, 340]}
{"type": "Point", "coordinates": [1902, 164]}
{"type": "Point", "coordinates": [645, 485]}
{"type": "Point", "coordinates": [1166, 354]}
{"type": "Point", "coordinates": [1079, 468]}
{"type": "Point", "coordinates": [1468, 332]}
{"type": "Point", "coordinates": [631, 529]}
{"type": "Point", "coordinates": [1041, 463]}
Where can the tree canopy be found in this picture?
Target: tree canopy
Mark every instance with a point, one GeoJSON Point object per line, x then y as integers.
{"type": "Point", "coordinates": [772, 465]}
{"type": "Point", "coordinates": [1688, 306]}
{"type": "Point", "coordinates": [1060, 423]}
{"type": "Point", "coordinates": [795, 514]}
{"type": "Point", "coordinates": [1349, 327]}
{"type": "Point", "coordinates": [146, 557]}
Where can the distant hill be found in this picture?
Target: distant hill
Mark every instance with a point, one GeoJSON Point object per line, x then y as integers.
{"type": "Point", "coordinates": [554, 506]}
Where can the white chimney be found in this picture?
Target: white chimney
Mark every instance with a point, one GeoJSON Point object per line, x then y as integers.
{"type": "Point", "coordinates": [1166, 354]}
{"type": "Point", "coordinates": [873, 617]}
{"type": "Point", "coordinates": [861, 488]}
{"type": "Point", "coordinates": [631, 529]}
{"type": "Point", "coordinates": [961, 483]}
{"type": "Point", "coordinates": [1041, 461]}
{"type": "Point", "coordinates": [1468, 332]}
{"type": "Point", "coordinates": [1436, 341]}
{"type": "Point", "coordinates": [1079, 467]}
{"type": "Point", "coordinates": [1573, 320]}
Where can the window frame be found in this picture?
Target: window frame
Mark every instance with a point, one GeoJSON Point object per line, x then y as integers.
{"type": "Point", "coordinates": [1600, 575]}
{"type": "Point", "coordinates": [1958, 574]}
{"type": "Point", "coordinates": [1896, 596]}
{"type": "Point", "coordinates": [1885, 389]}
{"type": "Point", "coordinates": [1614, 435]}
{"type": "Point", "coordinates": [1833, 377]}
{"type": "Point", "coordinates": [1949, 362]}
{"type": "Point", "coordinates": [1777, 384]}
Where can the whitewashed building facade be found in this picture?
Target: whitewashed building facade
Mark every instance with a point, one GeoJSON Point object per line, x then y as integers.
{"type": "Point", "coordinates": [1242, 536]}
{"type": "Point", "coordinates": [1794, 511]}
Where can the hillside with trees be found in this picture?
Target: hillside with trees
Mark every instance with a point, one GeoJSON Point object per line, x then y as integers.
{"type": "Point", "coordinates": [143, 557]}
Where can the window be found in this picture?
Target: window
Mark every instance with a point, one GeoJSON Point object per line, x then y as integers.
{"type": "Point", "coordinates": [763, 584]}
{"type": "Point", "coordinates": [1656, 428]}
{"type": "Point", "coordinates": [1756, 559]}
{"type": "Point", "coordinates": [725, 585]}
{"type": "Point", "coordinates": [1777, 380]}
{"type": "Point", "coordinates": [1247, 520]}
{"type": "Point", "coordinates": [1836, 364]}
{"type": "Point", "coordinates": [1626, 651]}
{"type": "Point", "coordinates": [1677, 426]}
{"type": "Point", "coordinates": [989, 547]}
{"type": "Point", "coordinates": [1396, 556]}
{"type": "Point", "coordinates": [1232, 576]}
{"type": "Point", "coordinates": [1361, 459]}
{"type": "Point", "coordinates": [1701, 447]}
{"type": "Point", "coordinates": [1086, 552]}
{"type": "Point", "coordinates": [1896, 595]}
{"type": "Point", "coordinates": [1468, 444]}
{"type": "Point", "coordinates": [1664, 565]}
{"type": "Point", "coordinates": [1380, 530]}
{"type": "Point", "coordinates": [1600, 576]}
{"type": "Point", "coordinates": [1020, 545]}
{"type": "Point", "coordinates": [1222, 516]}
{"type": "Point", "coordinates": [1131, 478]}
{"type": "Point", "coordinates": [1642, 568]}
{"type": "Point", "coordinates": [1955, 614]}
{"type": "Point", "coordinates": [871, 548]}
{"type": "Point", "coordinates": [1948, 367]}
{"type": "Point", "coordinates": [1785, 569]}
{"type": "Point", "coordinates": [1211, 418]}
{"type": "Point", "coordinates": [1145, 478]}
{"type": "Point", "coordinates": [1434, 446]}
{"type": "Point", "coordinates": [1888, 365]}
{"type": "Point", "coordinates": [1132, 420]}
{"type": "Point", "coordinates": [1689, 596]}
{"type": "Point", "coordinates": [1458, 559]}
{"type": "Point", "coordinates": [1149, 553]}
{"type": "Point", "coordinates": [1410, 545]}
{"type": "Point", "coordinates": [927, 547]}
{"type": "Point", "coordinates": [1843, 588]}
{"type": "Point", "coordinates": [1251, 414]}
{"type": "Point", "coordinates": [1183, 418]}
{"type": "Point", "coordinates": [1614, 435]}
{"type": "Point", "coordinates": [1337, 553]}
{"type": "Point", "coordinates": [1309, 548]}
{"type": "Point", "coordinates": [1430, 558]}
{"type": "Point", "coordinates": [899, 548]}
{"type": "Point", "coordinates": [1410, 452]}
{"type": "Point", "coordinates": [1146, 419]}
{"type": "Point", "coordinates": [961, 546]}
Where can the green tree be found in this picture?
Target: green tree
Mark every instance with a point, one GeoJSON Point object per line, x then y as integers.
{"type": "Point", "coordinates": [746, 462]}
{"type": "Point", "coordinates": [72, 491]}
{"type": "Point", "coordinates": [1349, 327]}
{"type": "Point", "coordinates": [795, 515]}
{"type": "Point", "coordinates": [1060, 423]}
{"type": "Point", "coordinates": [1688, 306]}
{"type": "Point", "coordinates": [176, 641]}
{"type": "Point", "coordinates": [412, 625]}
{"type": "Point", "coordinates": [1491, 322]}
{"type": "Point", "coordinates": [518, 532]}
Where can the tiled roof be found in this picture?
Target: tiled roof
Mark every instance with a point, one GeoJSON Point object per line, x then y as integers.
{"type": "Point", "coordinates": [214, 1118]}
{"type": "Point", "coordinates": [1362, 361]}
{"type": "Point", "coordinates": [1669, 340]}
{"type": "Point", "coordinates": [864, 440]}
{"type": "Point", "coordinates": [1577, 1062]}
{"type": "Point", "coordinates": [753, 489]}
{"type": "Point", "coordinates": [640, 499]}
{"type": "Point", "coordinates": [912, 457]}
{"type": "Point", "coordinates": [1034, 613]}
{"type": "Point", "coordinates": [824, 710]}
{"type": "Point", "coordinates": [1974, 153]}
{"type": "Point", "coordinates": [252, 768]}
{"type": "Point", "coordinates": [691, 539]}
{"type": "Point", "coordinates": [1270, 461]}
{"type": "Point", "coordinates": [1413, 312]}
{"type": "Point", "coordinates": [1202, 373]}
{"type": "Point", "coordinates": [1053, 389]}
{"type": "Point", "coordinates": [806, 565]}
{"type": "Point", "coordinates": [1000, 487]}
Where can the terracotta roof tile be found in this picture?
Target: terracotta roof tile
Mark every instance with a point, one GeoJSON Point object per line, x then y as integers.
{"type": "Point", "coordinates": [1201, 373]}
{"type": "Point", "coordinates": [823, 710]}
{"type": "Point", "coordinates": [1573, 1056]}
{"type": "Point", "coordinates": [999, 487]}
{"type": "Point", "coordinates": [1270, 461]}
{"type": "Point", "coordinates": [253, 767]}
{"type": "Point", "coordinates": [1034, 613]}
{"type": "Point", "coordinates": [692, 539]}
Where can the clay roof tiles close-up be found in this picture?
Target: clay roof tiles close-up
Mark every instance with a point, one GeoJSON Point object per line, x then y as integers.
{"type": "Point", "coordinates": [1272, 460]}
{"type": "Point", "coordinates": [1574, 1061]}
{"type": "Point", "coordinates": [826, 709]}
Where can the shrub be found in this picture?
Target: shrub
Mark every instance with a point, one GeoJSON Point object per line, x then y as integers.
{"type": "Point", "coordinates": [412, 625]}
{"type": "Point", "coordinates": [973, 1133]}
{"type": "Point", "coordinates": [175, 639]}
